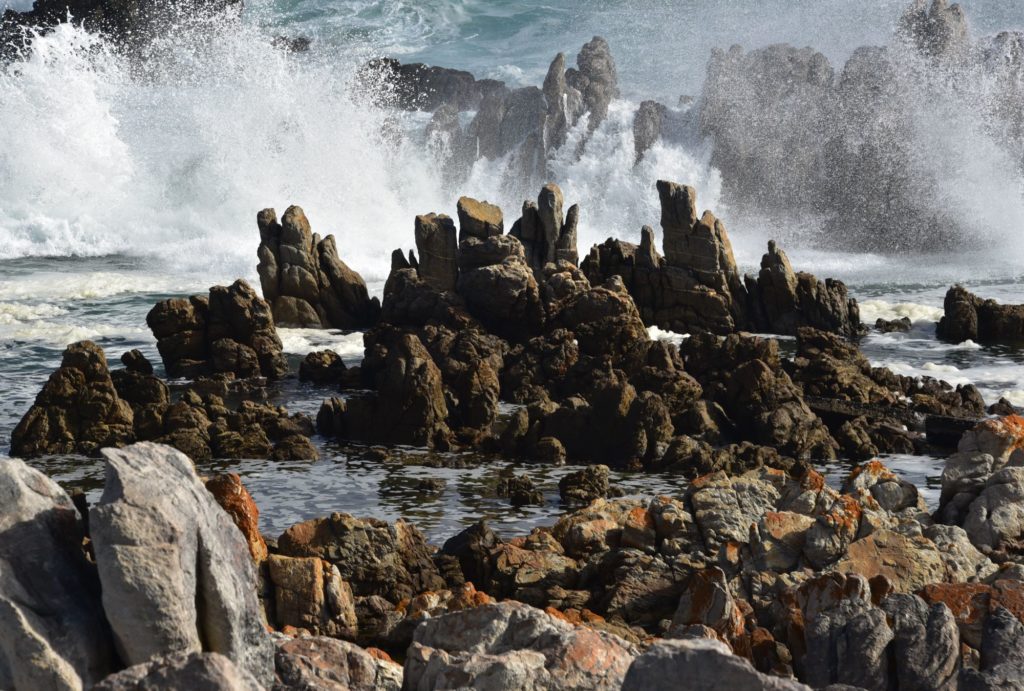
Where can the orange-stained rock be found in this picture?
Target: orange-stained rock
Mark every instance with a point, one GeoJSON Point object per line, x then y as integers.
{"type": "Point", "coordinates": [379, 654]}
{"type": "Point", "coordinates": [971, 603]}
{"type": "Point", "coordinates": [234, 498]}
{"type": "Point", "coordinates": [909, 563]}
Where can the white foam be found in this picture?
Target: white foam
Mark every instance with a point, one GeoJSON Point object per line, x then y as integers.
{"type": "Point", "coordinates": [658, 334]}
{"type": "Point", "coordinates": [302, 341]}
{"type": "Point", "coordinates": [870, 310]}
{"type": "Point", "coordinates": [52, 286]}
{"type": "Point", "coordinates": [16, 313]}
{"type": "Point", "coordinates": [59, 335]}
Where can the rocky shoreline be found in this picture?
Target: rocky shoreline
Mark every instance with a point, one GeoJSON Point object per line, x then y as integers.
{"type": "Point", "coordinates": [756, 574]}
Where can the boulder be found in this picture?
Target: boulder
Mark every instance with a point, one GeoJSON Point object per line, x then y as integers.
{"type": "Point", "coordinates": [304, 279]}
{"type": "Point", "coordinates": [584, 486]}
{"type": "Point", "coordinates": [206, 671]}
{"type": "Point", "coordinates": [512, 645]}
{"type": "Point", "coordinates": [704, 664]}
{"type": "Point", "coordinates": [231, 331]}
{"type": "Point", "coordinates": [177, 575]}
{"type": "Point", "coordinates": [925, 645]}
{"type": "Point", "coordinates": [54, 635]}
{"type": "Point", "coordinates": [322, 367]}
{"type": "Point", "coordinates": [310, 594]}
{"type": "Point", "coordinates": [505, 298]}
{"type": "Point", "coordinates": [327, 663]}
{"type": "Point", "coordinates": [77, 411]}
{"type": "Point", "coordinates": [374, 557]}
{"type": "Point", "coordinates": [479, 220]}
{"type": "Point", "coordinates": [437, 246]}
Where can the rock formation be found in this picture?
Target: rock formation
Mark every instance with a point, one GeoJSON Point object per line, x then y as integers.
{"type": "Point", "coordinates": [231, 331]}
{"type": "Point", "coordinates": [697, 286]}
{"type": "Point", "coordinates": [177, 575]}
{"type": "Point", "coordinates": [968, 317]}
{"type": "Point", "coordinates": [304, 279]}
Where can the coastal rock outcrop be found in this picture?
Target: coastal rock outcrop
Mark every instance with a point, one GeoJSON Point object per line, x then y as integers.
{"type": "Point", "coordinates": [697, 286]}
{"type": "Point", "coordinates": [231, 331]}
{"type": "Point", "coordinates": [304, 280]}
{"type": "Point", "coordinates": [77, 411]}
{"type": "Point", "coordinates": [182, 671]}
{"type": "Point", "coordinates": [969, 317]}
{"type": "Point", "coordinates": [177, 575]}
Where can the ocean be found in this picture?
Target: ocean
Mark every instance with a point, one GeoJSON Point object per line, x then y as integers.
{"type": "Point", "coordinates": [123, 183]}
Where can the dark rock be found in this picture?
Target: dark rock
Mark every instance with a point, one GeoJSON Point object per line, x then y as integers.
{"type": "Point", "coordinates": [968, 317]}
{"type": "Point", "coordinates": [231, 331]}
{"type": "Point", "coordinates": [901, 325]}
{"type": "Point", "coordinates": [415, 86]}
{"type": "Point", "coordinates": [322, 367]}
{"type": "Point", "coordinates": [437, 246]}
{"type": "Point", "coordinates": [479, 219]}
{"type": "Point", "coordinates": [135, 361]}
{"type": "Point", "coordinates": [584, 486]}
{"type": "Point", "coordinates": [546, 234]}
{"type": "Point", "coordinates": [647, 125]}
{"type": "Point", "coordinates": [596, 79]}
{"type": "Point", "coordinates": [304, 279]}
{"type": "Point", "coordinates": [77, 411]}
{"type": "Point", "coordinates": [519, 490]}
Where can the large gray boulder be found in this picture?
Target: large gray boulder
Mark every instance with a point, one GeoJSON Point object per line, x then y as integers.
{"type": "Point", "coordinates": [512, 645]}
{"type": "Point", "coordinates": [53, 634]}
{"type": "Point", "coordinates": [195, 671]}
{"type": "Point", "coordinates": [318, 662]}
{"type": "Point", "coordinates": [176, 573]}
{"type": "Point", "coordinates": [926, 643]}
{"type": "Point", "coordinates": [700, 664]}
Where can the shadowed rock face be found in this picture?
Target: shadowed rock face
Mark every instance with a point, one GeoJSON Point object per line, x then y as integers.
{"type": "Point", "coordinates": [54, 634]}
{"type": "Point", "coordinates": [183, 671]}
{"type": "Point", "coordinates": [303, 278]}
{"type": "Point", "coordinates": [969, 317]}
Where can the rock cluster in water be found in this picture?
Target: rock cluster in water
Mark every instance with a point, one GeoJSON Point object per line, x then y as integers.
{"type": "Point", "coordinates": [969, 317]}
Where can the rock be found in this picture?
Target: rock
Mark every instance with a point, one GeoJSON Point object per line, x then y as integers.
{"type": "Point", "coordinates": [437, 246]}
{"type": "Point", "coordinates": [545, 233]}
{"type": "Point", "coordinates": [333, 665]}
{"type": "Point", "coordinates": [1002, 662]}
{"type": "Point", "coordinates": [604, 319]}
{"type": "Point", "coordinates": [963, 562]}
{"type": "Point", "coordinates": [304, 279]}
{"type": "Point", "coordinates": [231, 331]}
{"type": "Point", "coordinates": [206, 671]}
{"type": "Point", "coordinates": [227, 489]}
{"type": "Point", "coordinates": [937, 29]}
{"type": "Point", "coordinates": [322, 367]}
{"type": "Point", "coordinates": [512, 645]}
{"type": "Point", "coordinates": [408, 404]}
{"type": "Point", "coordinates": [373, 557]}
{"type": "Point", "coordinates": [505, 298]}
{"type": "Point", "coordinates": [972, 603]}
{"type": "Point", "coordinates": [55, 635]}
{"type": "Point", "coordinates": [647, 125]}
{"type": "Point", "coordinates": [968, 317]}
{"type": "Point", "coordinates": [704, 664]}
{"type": "Point", "coordinates": [479, 220]}
{"type": "Point", "coordinates": [473, 548]}
{"type": "Point", "coordinates": [415, 86]}
{"type": "Point", "coordinates": [848, 644]}
{"type": "Point", "coordinates": [995, 520]}
{"type": "Point", "coordinates": [519, 490]}
{"type": "Point", "coordinates": [707, 601]}
{"type": "Point", "coordinates": [596, 79]}
{"type": "Point", "coordinates": [310, 594]}
{"type": "Point", "coordinates": [926, 643]}
{"type": "Point", "coordinates": [177, 576]}
{"type": "Point", "coordinates": [475, 253]}
{"type": "Point", "coordinates": [77, 411]}
{"type": "Point", "coordinates": [892, 492]}
{"type": "Point", "coordinates": [888, 326]}
{"type": "Point", "coordinates": [584, 486]}
{"type": "Point", "coordinates": [134, 361]}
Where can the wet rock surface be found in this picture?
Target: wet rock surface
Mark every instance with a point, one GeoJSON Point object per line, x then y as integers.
{"type": "Point", "coordinates": [969, 317]}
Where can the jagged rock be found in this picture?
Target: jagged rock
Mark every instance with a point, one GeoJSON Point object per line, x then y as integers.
{"type": "Point", "coordinates": [310, 594]}
{"type": "Point", "coordinates": [647, 126]}
{"type": "Point", "coordinates": [604, 319]}
{"type": "Point", "coordinates": [230, 331]}
{"type": "Point", "coordinates": [505, 298]}
{"type": "Point", "coordinates": [995, 520]}
{"type": "Point", "coordinates": [332, 665]}
{"type": "Point", "coordinates": [520, 490]}
{"type": "Point", "coordinates": [972, 604]}
{"type": "Point", "coordinates": [475, 253]}
{"type": "Point", "coordinates": [304, 279]}
{"type": "Point", "coordinates": [227, 489]}
{"type": "Point", "coordinates": [512, 645]}
{"type": "Point", "coordinates": [408, 404]}
{"type": "Point", "coordinates": [373, 557]}
{"type": "Point", "coordinates": [437, 246]}
{"type": "Point", "coordinates": [206, 671]}
{"type": "Point", "coordinates": [595, 79]}
{"type": "Point", "coordinates": [968, 317]}
{"type": "Point", "coordinates": [176, 573]}
{"type": "Point", "coordinates": [937, 29]}
{"type": "Point", "coordinates": [848, 644]}
{"type": "Point", "coordinates": [704, 665]}
{"type": "Point", "coordinates": [545, 233]}
{"type": "Point", "coordinates": [54, 635]}
{"type": "Point", "coordinates": [472, 548]}
{"type": "Point", "coordinates": [470, 362]}
{"type": "Point", "coordinates": [584, 486]}
{"type": "Point", "coordinates": [707, 601]}
{"type": "Point", "coordinates": [888, 326]}
{"type": "Point", "coordinates": [77, 411]}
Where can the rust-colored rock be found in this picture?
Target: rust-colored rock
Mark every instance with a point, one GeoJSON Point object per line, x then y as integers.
{"type": "Point", "coordinates": [234, 498]}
